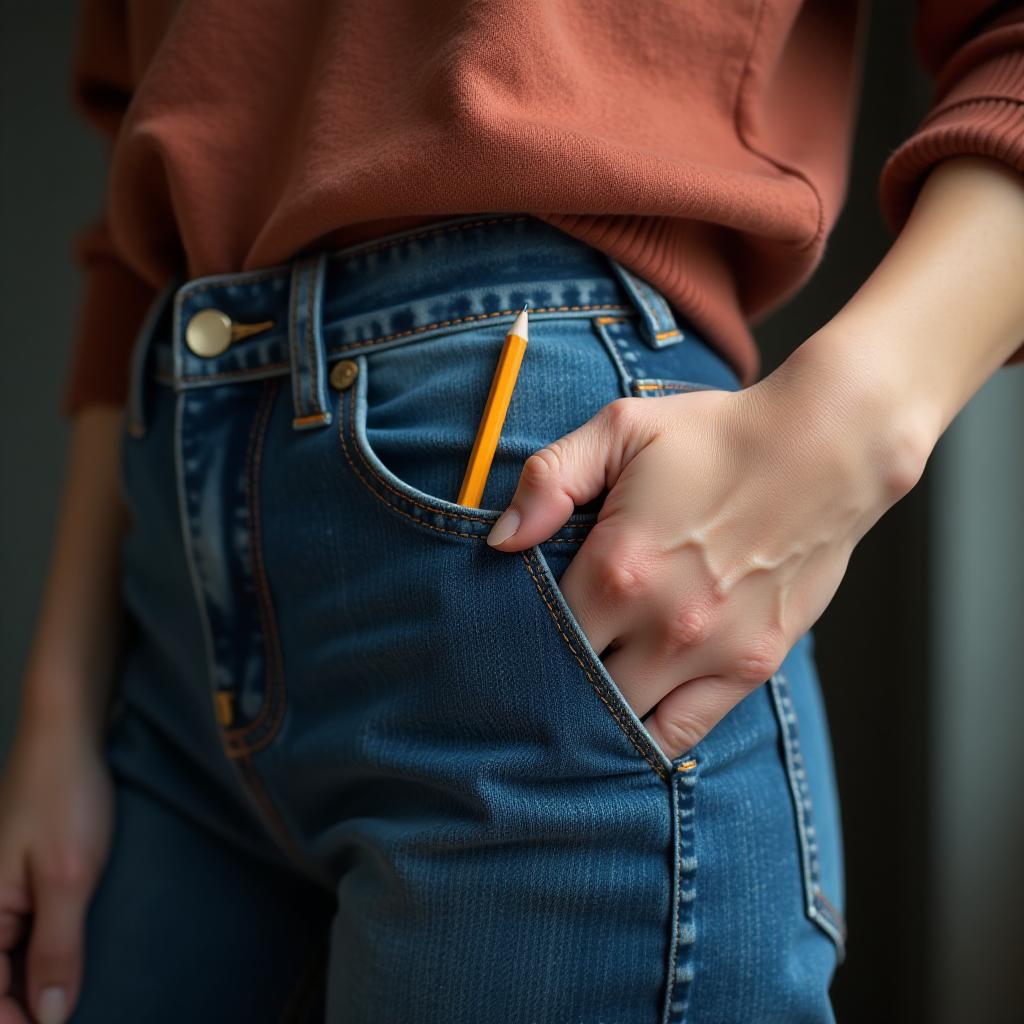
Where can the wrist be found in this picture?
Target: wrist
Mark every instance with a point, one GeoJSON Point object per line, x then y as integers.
{"type": "Point", "coordinates": [62, 706]}
{"type": "Point", "coordinates": [861, 408]}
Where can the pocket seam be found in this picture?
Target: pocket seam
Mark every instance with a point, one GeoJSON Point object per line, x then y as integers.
{"type": "Point", "coordinates": [666, 384]}
{"type": "Point", "coordinates": [585, 662]}
{"type": "Point", "coordinates": [816, 905]}
{"type": "Point", "coordinates": [349, 428]}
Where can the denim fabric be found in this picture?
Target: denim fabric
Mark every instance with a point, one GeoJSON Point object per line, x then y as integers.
{"type": "Point", "coordinates": [431, 801]}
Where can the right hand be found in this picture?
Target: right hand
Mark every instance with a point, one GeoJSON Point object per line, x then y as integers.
{"type": "Point", "coordinates": [726, 530]}
{"type": "Point", "coordinates": [56, 824]}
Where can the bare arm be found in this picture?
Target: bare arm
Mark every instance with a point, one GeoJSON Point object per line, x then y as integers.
{"type": "Point", "coordinates": [68, 677]}
{"type": "Point", "coordinates": [938, 316]}
{"type": "Point", "coordinates": [56, 794]}
{"type": "Point", "coordinates": [731, 516]}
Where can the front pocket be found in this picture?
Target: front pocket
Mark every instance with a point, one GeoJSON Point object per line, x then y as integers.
{"type": "Point", "coordinates": [406, 425]}
{"type": "Point", "coordinates": [408, 418]}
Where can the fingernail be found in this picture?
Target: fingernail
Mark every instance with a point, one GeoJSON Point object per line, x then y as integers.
{"type": "Point", "coordinates": [507, 524]}
{"type": "Point", "coordinates": [52, 1005]}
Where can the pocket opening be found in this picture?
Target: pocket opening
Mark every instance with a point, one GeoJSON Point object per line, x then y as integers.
{"type": "Point", "coordinates": [432, 511]}
{"type": "Point", "coordinates": [592, 667]}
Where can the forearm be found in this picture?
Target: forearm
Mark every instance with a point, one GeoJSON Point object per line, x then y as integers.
{"type": "Point", "coordinates": [69, 673]}
{"type": "Point", "coordinates": [938, 316]}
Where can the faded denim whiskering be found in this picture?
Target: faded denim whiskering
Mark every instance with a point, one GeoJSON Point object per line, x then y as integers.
{"type": "Point", "coordinates": [371, 769]}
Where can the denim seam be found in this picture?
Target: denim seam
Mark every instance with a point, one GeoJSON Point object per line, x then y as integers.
{"type": "Point", "coordinates": [681, 951]}
{"type": "Point", "coordinates": [676, 901]}
{"type": "Point", "coordinates": [643, 293]}
{"type": "Point", "coordinates": [275, 824]}
{"type": "Point", "coordinates": [472, 317]}
{"type": "Point", "coordinates": [273, 691]}
{"type": "Point", "coordinates": [818, 908]}
{"type": "Point", "coordinates": [655, 310]}
{"type": "Point", "coordinates": [333, 350]}
{"type": "Point", "coordinates": [658, 384]}
{"type": "Point", "coordinates": [625, 725]}
{"type": "Point", "coordinates": [312, 369]}
{"type": "Point", "coordinates": [292, 364]}
{"type": "Point", "coordinates": [404, 497]}
{"type": "Point", "coordinates": [185, 517]}
{"type": "Point", "coordinates": [617, 350]}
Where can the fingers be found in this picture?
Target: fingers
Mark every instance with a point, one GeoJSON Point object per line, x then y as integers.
{"type": "Point", "coordinates": [600, 588]}
{"type": "Point", "coordinates": [570, 471]}
{"type": "Point", "coordinates": [692, 665]}
{"type": "Point", "coordinates": [15, 906]}
{"type": "Point", "coordinates": [12, 920]}
{"type": "Point", "coordinates": [54, 963]}
{"type": "Point", "coordinates": [11, 1012]}
{"type": "Point", "coordinates": [688, 713]}
{"type": "Point", "coordinates": [645, 670]}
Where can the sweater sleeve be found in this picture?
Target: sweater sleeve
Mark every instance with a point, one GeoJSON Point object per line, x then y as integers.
{"type": "Point", "coordinates": [974, 52]}
{"type": "Point", "coordinates": [114, 299]}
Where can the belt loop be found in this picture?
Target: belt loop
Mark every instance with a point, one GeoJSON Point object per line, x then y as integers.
{"type": "Point", "coordinates": [306, 343]}
{"type": "Point", "coordinates": [135, 403]}
{"type": "Point", "coordinates": [658, 325]}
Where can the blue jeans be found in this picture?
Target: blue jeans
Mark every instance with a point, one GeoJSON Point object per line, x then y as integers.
{"type": "Point", "coordinates": [369, 768]}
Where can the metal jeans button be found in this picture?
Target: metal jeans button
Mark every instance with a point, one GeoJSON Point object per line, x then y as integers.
{"type": "Point", "coordinates": [210, 331]}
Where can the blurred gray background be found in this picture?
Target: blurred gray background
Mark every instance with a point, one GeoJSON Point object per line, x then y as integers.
{"type": "Point", "coordinates": [918, 652]}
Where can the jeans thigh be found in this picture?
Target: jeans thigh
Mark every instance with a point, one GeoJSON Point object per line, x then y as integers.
{"type": "Point", "coordinates": [184, 926]}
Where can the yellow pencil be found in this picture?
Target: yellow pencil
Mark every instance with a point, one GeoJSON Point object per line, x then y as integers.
{"type": "Point", "coordinates": [502, 385]}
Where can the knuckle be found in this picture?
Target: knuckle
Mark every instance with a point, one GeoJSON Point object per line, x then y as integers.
{"type": "Point", "coordinates": [686, 626]}
{"type": "Point", "coordinates": [621, 578]}
{"type": "Point", "coordinates": [65, 869]}
{"type": "Point", "coordinates": [621, 412]}
{"type": "Point", "coordinates": [14, 897]}
{"type": "Point", "coordinates": [541, 465]}
{"type": "Point", "coordinates": [757, 661]}
{"type": "Point", "coordinates": [681, 732]}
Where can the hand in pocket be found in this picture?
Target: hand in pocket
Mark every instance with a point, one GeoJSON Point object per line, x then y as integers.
{"type": "Point", "coordinates": [728, 524]}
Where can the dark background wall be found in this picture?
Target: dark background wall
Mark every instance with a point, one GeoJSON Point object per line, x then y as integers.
{"type": "Point", "coordinates": [916, 651]}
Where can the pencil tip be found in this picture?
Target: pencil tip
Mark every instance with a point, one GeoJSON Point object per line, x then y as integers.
{"type": "Point", "coordinates": [520, 327]}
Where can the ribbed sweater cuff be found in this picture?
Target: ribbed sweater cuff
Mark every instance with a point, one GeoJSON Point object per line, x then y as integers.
{"type": "Point", "coordinates": [981, 114]}
{"type": "Point", "coordinates": [113, 306]}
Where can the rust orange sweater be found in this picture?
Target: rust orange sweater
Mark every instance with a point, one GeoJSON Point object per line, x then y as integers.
{"type": "Point", "coordinates": [703, 143]}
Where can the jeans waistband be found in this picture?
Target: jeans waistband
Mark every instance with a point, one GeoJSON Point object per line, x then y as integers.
{"type": "Point", "coordinates": [322, 306]}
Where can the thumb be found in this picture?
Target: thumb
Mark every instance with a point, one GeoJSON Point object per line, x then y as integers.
{"type": "Point", "coordinates": [54, 961]}
{"type": "Point", "coordinates": [567, 472]}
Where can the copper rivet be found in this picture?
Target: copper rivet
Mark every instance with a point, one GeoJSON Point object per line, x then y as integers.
{"type": "Point", "coordinates": [343, 373]}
